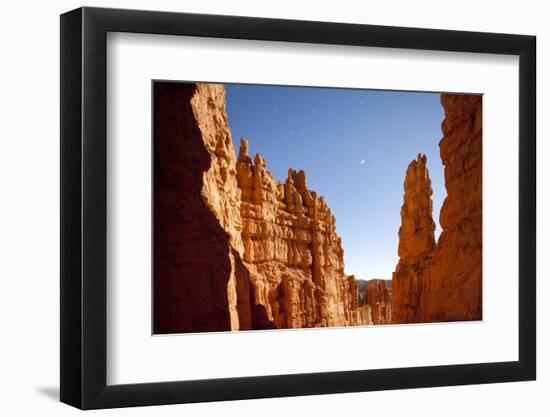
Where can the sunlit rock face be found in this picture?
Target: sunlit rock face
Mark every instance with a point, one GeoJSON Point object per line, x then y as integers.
{"type": "Point", "coordinates": [416, 242]}
{"type": "Point", "coordinates": [378, 296]}
{"type": "Point", "coordinates": [295, 256]}
{"type": "Point", "coordinates": [443, 281]}
{"type": "Point", "coordinates": [234, 249]}
{"type": "Point", "coordinates": [375, 300]}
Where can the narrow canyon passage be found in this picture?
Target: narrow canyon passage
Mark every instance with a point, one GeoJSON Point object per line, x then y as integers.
{"type": "Point", "coordinates": [237, 250]}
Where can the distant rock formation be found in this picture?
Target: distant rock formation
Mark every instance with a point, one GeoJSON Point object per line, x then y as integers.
{"type": "Point", "coordinates": [234, 249]}
{"type": "Point", "coordinates": [375, 295]}
{"type": "Point", "coordinates": [378, 295]}
{"type": "Point", "coordinates": [443, 282]}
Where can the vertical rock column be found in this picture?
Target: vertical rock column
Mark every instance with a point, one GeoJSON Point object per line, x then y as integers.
{"type": "Point", "coordinates": [416, 243]}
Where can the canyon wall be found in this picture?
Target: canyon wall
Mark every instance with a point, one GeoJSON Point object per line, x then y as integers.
{"type": "Point", "coordinates": [453, 287]}
{"type": "Point", "coordinates": [235, 249]}
{"type": "Point", "coordinates": [443, 282]}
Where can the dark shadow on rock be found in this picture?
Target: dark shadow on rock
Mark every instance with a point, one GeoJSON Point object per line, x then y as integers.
{"type": "Point", "coordinates": [245, 292]}
{"type": "Point", "coordinates": [191, 260]}
{"type": "Point", "coordinates": [261, 320]}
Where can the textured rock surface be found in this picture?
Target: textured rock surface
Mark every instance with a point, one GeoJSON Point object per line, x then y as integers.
{"type": "Point", "coordinates": [416, 242]}
{"type": "Point", "coordinates": [453, 287]}
{"type": "Point", "coordinates": [364, 314]}
{"type": "Point", "coordinates": [443, 282]}
{"type": "Point", "coordinates": [375, 300]}
{"type": "Point", "coordinates": [234, 249]}
{"type": "Point", "coordinates": [378, 296]}
{"type": "Point", "coordinates": [295, 255]}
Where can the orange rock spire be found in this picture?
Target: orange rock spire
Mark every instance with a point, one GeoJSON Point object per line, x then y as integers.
{"type": "Point", "coordinates": [416, 242]}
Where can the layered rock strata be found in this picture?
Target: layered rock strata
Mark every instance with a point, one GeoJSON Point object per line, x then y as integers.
{"type": "Point", "coordinates": [234, 249]}
{"type": "Point", "coordinates": [443, 282]}
{"type": "Point", "coordinates": [294, 253]}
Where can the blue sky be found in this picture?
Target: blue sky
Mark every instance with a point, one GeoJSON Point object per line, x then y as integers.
{"type": "Point", "coordinates": [355, 146]}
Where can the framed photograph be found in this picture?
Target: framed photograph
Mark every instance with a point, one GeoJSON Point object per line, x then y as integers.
{"type": "Point", "coordinates": [258, 208]}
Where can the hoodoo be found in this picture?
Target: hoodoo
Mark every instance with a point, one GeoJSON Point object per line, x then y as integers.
{"type": "Point", "coordinates": [416, 242]}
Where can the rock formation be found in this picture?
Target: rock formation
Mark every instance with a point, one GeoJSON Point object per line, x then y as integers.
{"type": "Point", "coordinates": [196, 213]}
{"type": "Point", "coordinates": [416, 242]}
{"type": "Point", "coordinates": [234, 249]}
{"type": "Point", "coordinates": [375, 298]}
{"type": "Point", "coordinates": [443, 282]}
{"type": "Point", "coordinates": [378, 295]}
{"type": "Point", "coordinates": [453, 287]}
{"type": "Point", "coordinates": [364, 314]}
{"type": "Point", "coordinates": [290, 243]}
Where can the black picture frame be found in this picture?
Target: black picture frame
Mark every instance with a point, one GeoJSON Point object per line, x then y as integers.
{"type": "Point", "coordinates": [84, 207]}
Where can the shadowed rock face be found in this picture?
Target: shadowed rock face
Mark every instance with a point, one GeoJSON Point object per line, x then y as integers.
{"type": "Point", "coordinates": [191, 207]}
{"type": "Point", "coordinates": [442, 282]}
{"type": "Point", "coordinates": [234, 249]}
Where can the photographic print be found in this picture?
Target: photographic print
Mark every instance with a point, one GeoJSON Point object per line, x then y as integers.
{"type": "Point", "coordinates": [285, 207]}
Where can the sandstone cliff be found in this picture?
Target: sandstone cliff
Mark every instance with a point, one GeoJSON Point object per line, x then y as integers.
{"type": "Point", "coordinates": [443, 282]}
{"type": "Point", "coordinates": [234, 249]}
{"type": "Point", "coordinates": [453, 287]}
